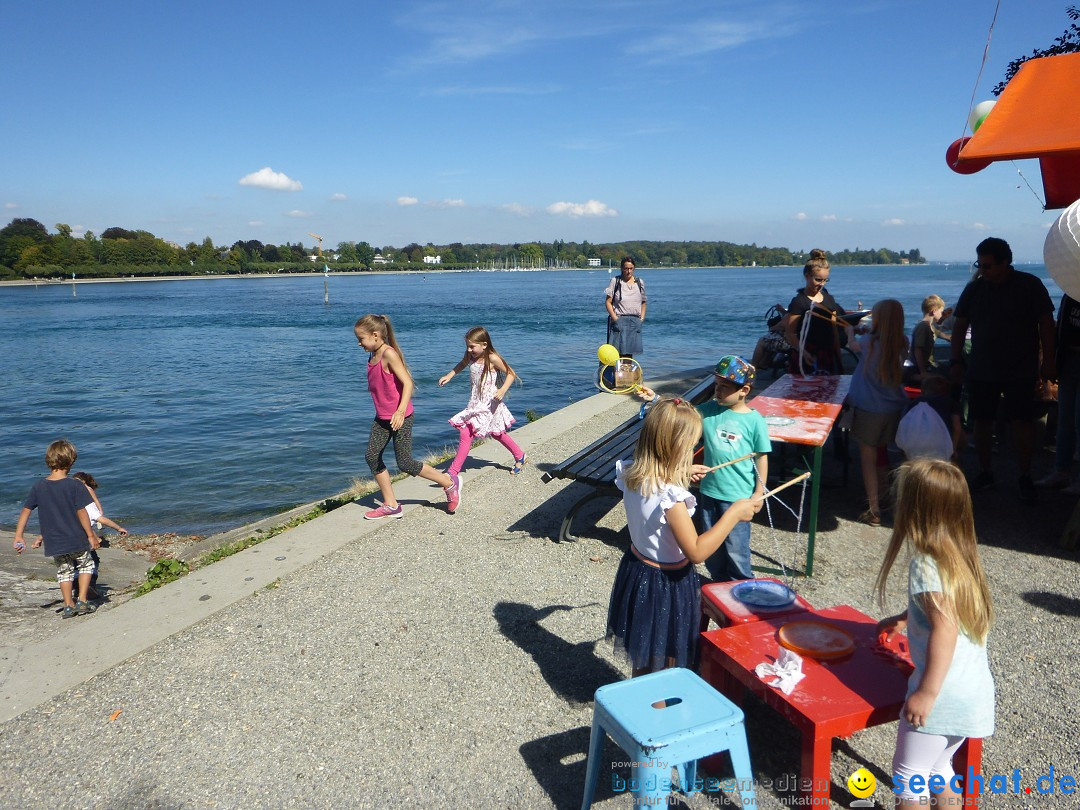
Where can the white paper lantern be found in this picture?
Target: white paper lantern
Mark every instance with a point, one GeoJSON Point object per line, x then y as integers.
{"type": "Point", "coordinates": [1061, 251]}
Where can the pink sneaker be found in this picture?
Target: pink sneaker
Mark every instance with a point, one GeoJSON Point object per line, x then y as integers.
{"type": "Point", "coordinates": [384, 511]}
{"type": "Point", "coordinates": [453, 494]}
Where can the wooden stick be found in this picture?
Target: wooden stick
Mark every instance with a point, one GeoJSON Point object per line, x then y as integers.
{"type": "Point", "coordinates": [733, 461]}
{"type": "Point", "coordinates": [794, 480]}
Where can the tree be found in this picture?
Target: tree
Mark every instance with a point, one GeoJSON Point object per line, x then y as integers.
{"type": "Point", "coordinates": [1068, 42]}
{"type": "Point", "coordinates": [18, 235]}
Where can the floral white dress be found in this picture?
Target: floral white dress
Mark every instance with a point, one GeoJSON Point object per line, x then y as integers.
{"type": "Point", "coordinates": [483, 414]}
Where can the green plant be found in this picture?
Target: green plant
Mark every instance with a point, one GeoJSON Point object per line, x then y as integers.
{"type": "Point", "coordinates": [164, 571]}
{"type": "Point", "coordinates": [532, 415]}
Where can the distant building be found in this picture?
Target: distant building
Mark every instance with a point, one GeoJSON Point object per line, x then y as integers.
{"type": "Point", "coordinates": [380, 259]}
{"type": "Point", "coordinates": [594, 262]}
{"type": "Point", "coordinates": [433, 259]}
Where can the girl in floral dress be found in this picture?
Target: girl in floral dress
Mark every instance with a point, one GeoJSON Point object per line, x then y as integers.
{"type": "Point", "coordinates": [486, 414]}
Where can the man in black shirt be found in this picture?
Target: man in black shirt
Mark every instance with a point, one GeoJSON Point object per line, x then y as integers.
{"type": "Point", "coordinates": [1011, 319]}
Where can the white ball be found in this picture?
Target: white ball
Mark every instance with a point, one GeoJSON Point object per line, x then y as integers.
{"type": "Point", "coordinates": [1061, 251]}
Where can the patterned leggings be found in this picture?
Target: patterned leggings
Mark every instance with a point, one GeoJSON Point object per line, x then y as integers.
{"type": "Point", "coordinates": [381, 434]}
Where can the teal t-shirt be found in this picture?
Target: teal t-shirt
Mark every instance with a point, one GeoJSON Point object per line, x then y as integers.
{"type": "Point", "coordinates": [965, 705]}
{"type": "Point", "coordinates": [729, 435]}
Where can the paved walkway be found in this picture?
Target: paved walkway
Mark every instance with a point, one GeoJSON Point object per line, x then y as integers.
{"type": "Point", "coordinates": [448, 660]}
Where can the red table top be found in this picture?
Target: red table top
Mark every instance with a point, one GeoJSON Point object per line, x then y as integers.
{"type": "Point", "coordinates": [836, 698]}
{"type": "Point", "coordinates": [718, 603]}
{"type": "Point", "coordinates": [811, 403]}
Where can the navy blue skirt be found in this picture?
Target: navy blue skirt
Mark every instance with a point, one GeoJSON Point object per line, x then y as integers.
{"type": "Point", "coordinates": [655, 614]}
{"type": "Point", "coordinates": [625, 334]}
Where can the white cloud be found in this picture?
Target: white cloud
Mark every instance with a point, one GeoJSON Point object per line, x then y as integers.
{"type": "Point", "coordinates": [255, 223]}
{"type": "Point", "coordinates": [517, 208]}
{"type": "Point", "coordinates": [298, 214]}
{"type": "Point", "coordinates": [707, 36]}
{"type": "Point", "coordinates": [403, 201]}
{"type": "Point", "coordinates": [445, 203]}
{"type": "Point", "coordinates": [978, 226]}
{"type": "Point", "coordinates": [801, 216]}
{"type": "Point", "coordinates": [893, 221]}
{"type": "Point", "coordinates": [829, 218]}
{"type": "Point", "coordinates": [592, 208]}
{"type": "Point", "coordinates": [338, 196]}
{"type": "Point", "coordinates": [269, 179]}
{"type": "Point", "coordinates": [11, 205]}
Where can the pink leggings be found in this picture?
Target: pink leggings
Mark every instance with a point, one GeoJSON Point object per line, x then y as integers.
{"type": "Point", "coordinates": [465, 445]}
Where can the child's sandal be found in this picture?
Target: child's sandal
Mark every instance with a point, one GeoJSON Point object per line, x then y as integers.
{"type": "Point", "coordinates": [519, 465]}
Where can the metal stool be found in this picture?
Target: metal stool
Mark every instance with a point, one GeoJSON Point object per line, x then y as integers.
{"type": "Point", "coordinates": [694, 722]}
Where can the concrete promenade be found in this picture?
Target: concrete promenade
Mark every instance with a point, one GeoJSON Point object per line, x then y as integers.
{"type": "Point", "coordinates": [450, 661]}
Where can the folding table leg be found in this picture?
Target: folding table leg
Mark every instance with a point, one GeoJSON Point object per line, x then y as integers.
{"type": "Point", "coordinates": [815, 492]}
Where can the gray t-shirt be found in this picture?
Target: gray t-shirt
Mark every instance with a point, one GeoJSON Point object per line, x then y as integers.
{"type": "Point", "coordinates": [965, 704]}
{"type": "Point", "coordinates": [57, 503]}
{"type": "Point", "coordinates": [629, 297]}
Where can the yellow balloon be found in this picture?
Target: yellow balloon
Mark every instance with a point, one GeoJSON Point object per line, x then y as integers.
{"type": "Point", "coordinates": [608, 354]}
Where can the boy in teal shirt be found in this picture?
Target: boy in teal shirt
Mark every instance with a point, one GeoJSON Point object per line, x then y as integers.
{"type": "Point", "coordinates": [732, 430]}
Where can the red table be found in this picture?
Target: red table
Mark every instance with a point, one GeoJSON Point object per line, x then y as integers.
{"type": "Point", "coordinates": [718, 604]}
{"type": "Point", "coordinates": [802, 410]}
{"type": "Point", "coordinates": [835, 699]}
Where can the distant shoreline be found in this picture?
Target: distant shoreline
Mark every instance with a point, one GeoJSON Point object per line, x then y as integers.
{"type": "Point", "coordinates": [425, 271]}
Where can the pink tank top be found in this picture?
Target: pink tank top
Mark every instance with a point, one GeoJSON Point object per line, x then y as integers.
{"type": "Point", "coordinates": [385, 391]}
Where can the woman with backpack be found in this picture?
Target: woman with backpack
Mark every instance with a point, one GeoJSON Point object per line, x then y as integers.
{"type": "Point", "coordinates": [625, 301]}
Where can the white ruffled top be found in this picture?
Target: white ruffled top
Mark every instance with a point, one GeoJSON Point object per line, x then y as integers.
{"type": "Point", "coordinates": [647, 521]}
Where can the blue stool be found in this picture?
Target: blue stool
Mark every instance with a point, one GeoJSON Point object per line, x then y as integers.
{"type": "Point", "coordinates": [696, 722]}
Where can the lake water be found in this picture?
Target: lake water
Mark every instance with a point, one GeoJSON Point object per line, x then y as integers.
{"type": "Point", "coordinates": [201, 405]}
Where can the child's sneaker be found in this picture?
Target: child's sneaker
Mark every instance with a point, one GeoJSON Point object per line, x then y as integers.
{"type": "Point", "coordinates": [69, 611]}
{"type": "Point", "coordinates": [453, 494]}
{"type": "Point", "coordinates": [519, 465]}
{"type": "Point", "coordinates": [84, 608]}
{"type": "Point", "coordinates": [384, 511]}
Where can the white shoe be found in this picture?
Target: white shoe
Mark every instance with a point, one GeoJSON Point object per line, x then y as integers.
{"type": "Point", "coordinates": [1055, 480]}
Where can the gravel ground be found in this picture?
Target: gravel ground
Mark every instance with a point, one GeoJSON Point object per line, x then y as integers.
{"type": "Point", "coordinates": [450, 662]}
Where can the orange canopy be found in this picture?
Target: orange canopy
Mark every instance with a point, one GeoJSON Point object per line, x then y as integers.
{"type": "Point", "coordinates": [1035, 117]}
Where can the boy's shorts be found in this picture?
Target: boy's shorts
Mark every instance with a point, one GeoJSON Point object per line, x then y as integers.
{"type": "Point", "coordinates": [70, 566]}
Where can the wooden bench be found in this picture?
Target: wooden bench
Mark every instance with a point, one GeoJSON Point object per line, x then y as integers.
{"type": "Point", "coordinates": [595, 464]}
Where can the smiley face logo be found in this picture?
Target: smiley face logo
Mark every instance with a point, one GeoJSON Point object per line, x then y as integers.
{"type": "Point", "coordinates": [861, 783]}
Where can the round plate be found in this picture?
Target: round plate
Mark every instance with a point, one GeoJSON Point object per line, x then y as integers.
{"type": "Point", "coordinates": [816, 639]}
{"type": "Point", "coordinates": [763, 593]}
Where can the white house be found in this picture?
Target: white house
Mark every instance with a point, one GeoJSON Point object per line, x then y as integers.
{"type": "Point", "coordinates": [594, 262]}
{"type": "Point", "coordinates": [433, 259]}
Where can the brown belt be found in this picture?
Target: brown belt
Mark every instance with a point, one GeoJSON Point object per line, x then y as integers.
{"type": "Point", "coordinates": [660, 565]}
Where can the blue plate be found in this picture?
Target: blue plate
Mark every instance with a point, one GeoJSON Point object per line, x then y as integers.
{"type": "Point", "coordinates": [763, 593]}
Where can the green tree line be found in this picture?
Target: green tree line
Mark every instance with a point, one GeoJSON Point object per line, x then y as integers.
{"type": "Point", "coordinates": [29, 250]}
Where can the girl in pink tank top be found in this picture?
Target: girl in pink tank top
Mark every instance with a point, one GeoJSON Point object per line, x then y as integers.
{"type": "Point", "coordinates": [391, 388]}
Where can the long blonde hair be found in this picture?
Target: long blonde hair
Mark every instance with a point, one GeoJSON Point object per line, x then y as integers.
{"type": "Point", "coordinates": [380, 325]}
{"type": "Point", "coordinates": [887, 334]}
{"type": "Point", "coordinates": [665, 447]}
{"type": "Point", "coordinates": [479, 334]}
{"type": "Point", "coordinates": [934, 516]}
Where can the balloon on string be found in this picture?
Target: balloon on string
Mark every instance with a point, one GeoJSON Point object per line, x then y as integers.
{"type": "Point", "coordinates": [952, 157]}
{"type": "Point", "coordinates": [1061, 251]}
{"type": "Point", "coordinates": [978, 114]}
{"type": "Point", "coordinates": [608, 354]}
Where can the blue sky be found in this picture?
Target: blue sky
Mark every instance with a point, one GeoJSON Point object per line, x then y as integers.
{"type": "Point", "coordinates": [812, 124]}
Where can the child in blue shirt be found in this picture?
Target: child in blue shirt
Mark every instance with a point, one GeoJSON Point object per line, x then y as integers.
{"type": "Point", "coordinates": [65, 527]}
{"type": "Point", "coordinates": [732, 430]}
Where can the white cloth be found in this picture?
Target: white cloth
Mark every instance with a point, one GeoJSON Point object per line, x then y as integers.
{"type": "Point", "coordinates": [646, 518]}
{"type": "Point", "coordinates": [922, 434]}
{"type": "Point", "coordinates": [483, 414]}
{"type": "Point", "coordinates": [787, 670]}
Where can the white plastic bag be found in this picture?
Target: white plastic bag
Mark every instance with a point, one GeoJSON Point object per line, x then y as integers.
{"type": "Point", "coordinates": [923, 434]}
